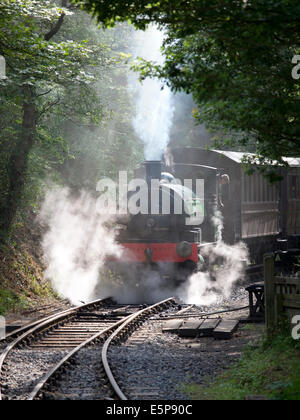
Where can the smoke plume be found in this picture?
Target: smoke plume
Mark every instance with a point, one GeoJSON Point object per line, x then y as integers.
{"type": "Point", "coordinates": [154, 105]}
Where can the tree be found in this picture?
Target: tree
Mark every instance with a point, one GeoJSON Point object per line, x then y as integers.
{"type": "Point", "coordinates": [45, 73]}
{"type": "Point", "coordinates": [234, 56]}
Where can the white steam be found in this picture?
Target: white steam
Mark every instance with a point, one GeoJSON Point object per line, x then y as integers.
{"type": "Point", "coordinates": [79, 241]}
{"type": "Point", "coordinates": [225, 267]}
{"type": "Point", "coordinates": [218, 222]}
{"type": "Point", "coordinates": [154, 105]}
{"type": "Point", "coordinates": [76, 244]}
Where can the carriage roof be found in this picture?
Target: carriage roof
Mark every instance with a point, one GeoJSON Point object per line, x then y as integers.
{"type": "Point", "coordinates": [239, 156]}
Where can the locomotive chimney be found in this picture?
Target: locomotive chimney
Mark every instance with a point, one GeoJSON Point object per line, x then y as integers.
{"type": "Point", "coordinates": [153, 170]}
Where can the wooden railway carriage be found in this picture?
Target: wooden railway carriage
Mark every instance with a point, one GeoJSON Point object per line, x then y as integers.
{"type": "Point", "coordinates": [265, 216]}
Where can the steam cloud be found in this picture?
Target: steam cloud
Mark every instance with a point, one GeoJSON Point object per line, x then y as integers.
{"type": "Point", "coordinates": [154, 105]}
{"type": "Point", "coordinates": [206, 288]}
{"type": "Point", "coordinates": [78, 241]}
{"type": "Point", "coordinates": [225, 266]}
{"type": "Point", "coordinates": [76, 244]}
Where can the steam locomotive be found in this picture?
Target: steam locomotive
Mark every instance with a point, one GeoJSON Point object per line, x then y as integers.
{"type": "Point", "coordinates": [265, 216]}
{"type": "Point", "coordinates": [167, 235]}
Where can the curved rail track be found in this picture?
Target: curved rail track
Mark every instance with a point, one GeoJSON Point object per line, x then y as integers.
{"type": "Point", "coordinates": [70, 333]}
{"type": "Point", "coordinates": [62, 338]}
{"type": "Point", "coordinates": [57, 315]}
{"type": "Point", "coordinates": [48, 385]}
{"type": "Point", "coordinates": [122, 333]}
{"type": "Point", "coordinates": [62, 332]}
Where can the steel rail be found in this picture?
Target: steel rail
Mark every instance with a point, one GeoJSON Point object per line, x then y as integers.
{"type": "Point", "coordinates": [22, 330]}
{"type": "Point", "coordinates": [132, 318]}
{"type": "Point", "coordinates": [205, 314]}
{"type": "Point", "coordinates": [56, 369]}
{"type": "Point", "coordinates": [46, 324]}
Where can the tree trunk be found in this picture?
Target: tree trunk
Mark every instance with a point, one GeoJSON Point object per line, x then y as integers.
{"type": "Point", "coordinates": [18, 162]}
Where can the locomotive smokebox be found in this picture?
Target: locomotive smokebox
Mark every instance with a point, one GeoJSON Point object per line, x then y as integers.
{"type": "Point", "coordinates": [153, 170]}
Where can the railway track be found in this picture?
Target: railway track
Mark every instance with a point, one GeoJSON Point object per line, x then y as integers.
{"type": "Point", "coordinates": [61, 354]}
{"type": "Point", "coordinates": [48, 360]}
{"type": "Point", "coordinates": [33, 350]}
{"type": "Point", "coordinates": [54, 316]}
{"type": "Point", "coordinates": [122, 334]}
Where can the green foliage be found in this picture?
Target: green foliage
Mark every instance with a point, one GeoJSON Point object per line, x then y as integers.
{"type": "Point", "coordinates": [272, 370]}
{"type": "Point", "coordinates": [101, 150]}
{"type": "Point", "coordinates": [13, 301]}
{"type": "Point", "coordinates": [42, 71]}
{"type": "Point", "coordinates": [9, 300]}
{"type": "Point", "coordinates": [58, 59]}
{"type": "Point", "coordinates": [21, 274]}
{"type": "Point", "coordinates": [234, 57]}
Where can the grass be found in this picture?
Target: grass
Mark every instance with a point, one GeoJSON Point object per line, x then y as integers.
{"type": "Point", "coordinates": [11, 301]}
{"type": "Point", "coordinates": [23, 300]}
{"type": "Point", "coordinates": [271, 370]}
{"type": "Point", "coordinates": [22, 285]}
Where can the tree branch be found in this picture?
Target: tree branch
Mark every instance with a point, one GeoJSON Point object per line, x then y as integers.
{"type": "Point", "coordinates": [48, 107]}
{"type": "Point", "coordinates": [53, 31]}
{"type": "Point", "coordinates": [45, 93]}
{"type": "Point", "coordinates": [55, 28]}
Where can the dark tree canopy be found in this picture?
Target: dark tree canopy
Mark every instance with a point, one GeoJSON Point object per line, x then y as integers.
{"type": "Point", "coordinates": [234, 56]}
{"type": "Point", "coordinates": [192, 13]}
